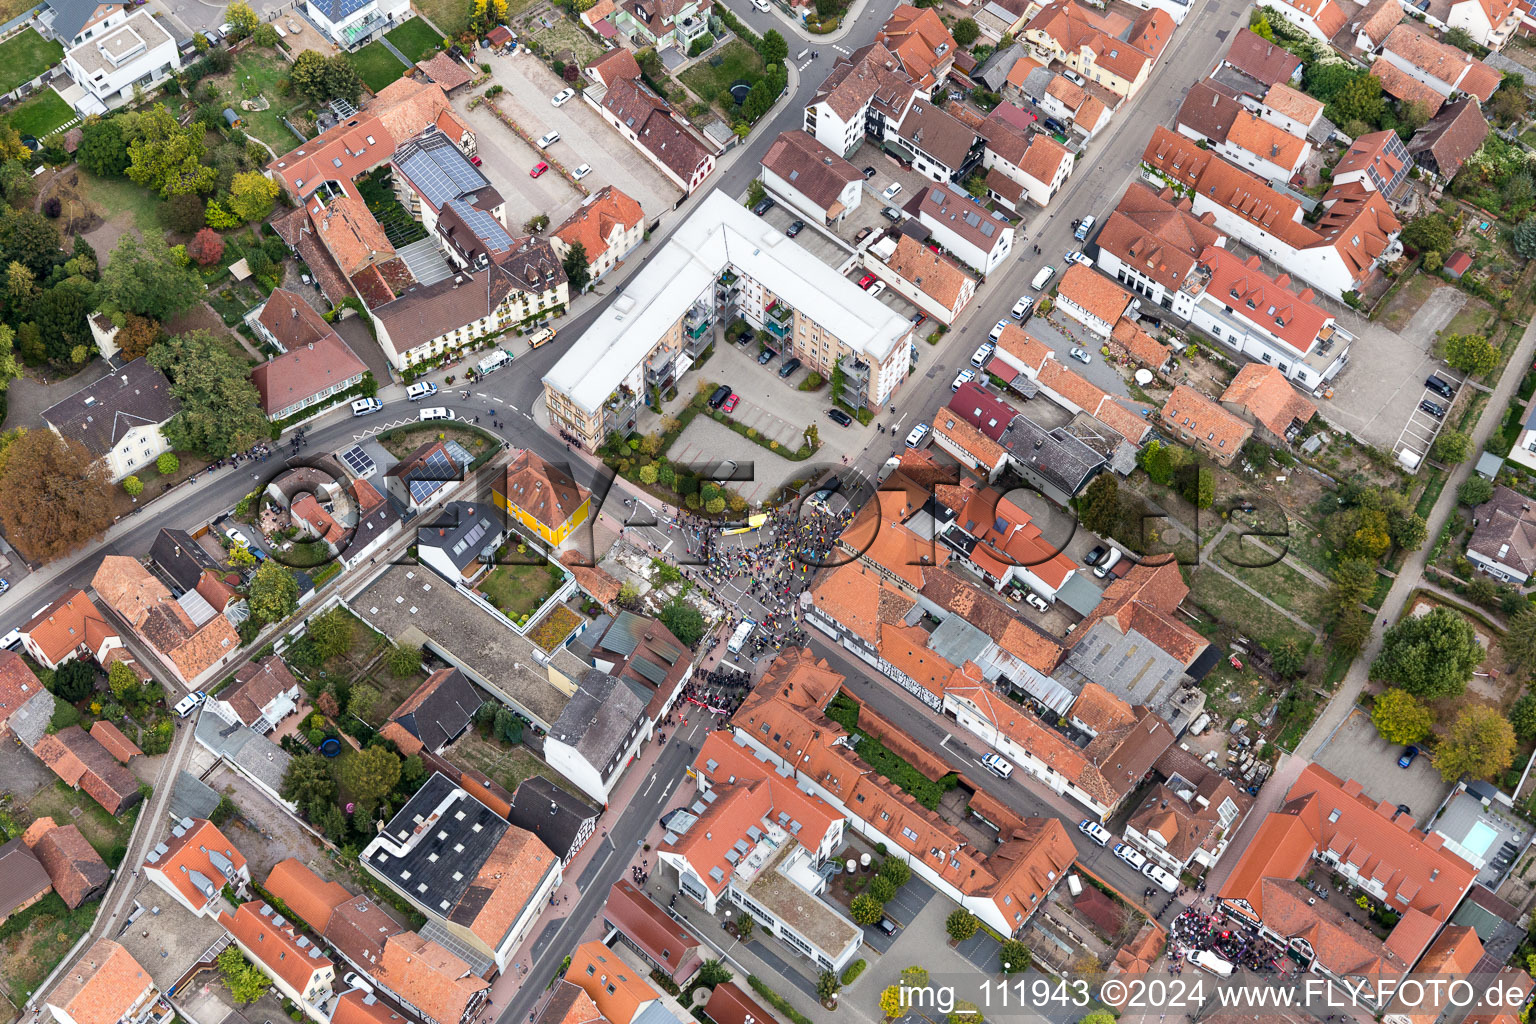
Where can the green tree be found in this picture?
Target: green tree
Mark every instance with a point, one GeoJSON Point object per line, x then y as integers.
{"type": "Point", "coordinates": [74, 680]}
{"type": "Point", "coordinates": [1098, 1017]}
{"type": "Point", "coordinates": [220, 407]}
{"type": "Point", "coordinates": [133, 486]}
{"type": "Point", "coordinates": [1259, 25]}
{"type": "Point", "coordinates": [684, 620]}
{"type": "Point", "coordinates": [1360, 99]}
{"type": "Point", "coordinates": [167, 463]}
{"type": "Point", "coordinates": [245, 982]}
{"type": "Point", "coordinates": [1522, 717]}
{"type": "Point", "coordinates": [866, 909]}
{"type": "Point", "coordinates": [332, 633]}
{"type": "Point", "coordinates": [308, 780]}
{"type": "Point", "coordinates": [144, 278]}
{"type": "Point", "coordinates": [1407, 529]}
{"type": "Point", "coordinates": [241, 18]}
{"type": "Point", "coordinates": [826, 986]}
{"type": "Point", "coordinates": [882, 888]}
{"type": "Point", "coordinates": [368, 775]}
{"type": "Point", "coordinates": [713, 973]}
{"type": "Point", "coordinates": [773, 48]}
{"type": "Point", "coordinates": [61, 314]}
{"type": "Point", "coordinates": [1431, 232]}
{"type": "Point", "coordinates": [1451, 447]}
{"type": "Point", "coordinates": [10, 365]}
{"type": "Point", "coordinates": [1401, 717]}
{"type": "Point", "coordinates": [124, 683]}
{"type": "Point", "coordinates": [251, 195]}
{"type": "Point", "coordinates": [1099, 507]}
{"type": "Point", "coordinates": [966, 32]}
{"type": "Point", "coordinates": [403, 660]}
{"type": "Point", "coordinates": [577, 272]}
{"type": "Point", "coordinates": [103, 148]}
{"type": "Point", "coordinates": [1480, 743]}
{"type": "Point", "coordinates": [54, 495]}
{"type": "Point", "coordinates": [896, 870]}
{"type": "Point", "coordinates": [166, 157]}
{"type": "Point", "coordinates": [892, 1005]}
{"type": "Point", "coordinates": [322, 80]}
{"type": "Point", "coordinates": [274, 593]}
{"type": "Point", "coordinates": [756, 193]}
{"type": "Point", "coordinates": [1462, 40]}
{"type": "Point", "coordinates": [1429, 655]}
{"type": "Point", "coordinates": [1475, 491]}
{"type": "Point", "coordinates": [1519, 644]}
{"type": "Point", "coordinates": [1288, 658]}
{"type": "Point", "coordinates": [1472, 353]}
{"type": "Point", "coordinates": [1013, 957]}
{"type": "Point", "coordinates": [964, 1012]}
{"type": "Point", "coordinates": [1524, 238]}
{"type": "Point", "coordinates": [362, 701]}
{"type": "Point", "coordinates": [961, 924]}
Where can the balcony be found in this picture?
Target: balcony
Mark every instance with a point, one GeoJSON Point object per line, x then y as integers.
{"type": "Point", "coordinates": [855, 379]}
{"type": "Point", "coordinates": [363, 30]}
{"type": "Point", "coordinates": [697, 320]}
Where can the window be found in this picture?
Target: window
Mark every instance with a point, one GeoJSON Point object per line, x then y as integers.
{"type": "Point", "coordinates": [907, 833]}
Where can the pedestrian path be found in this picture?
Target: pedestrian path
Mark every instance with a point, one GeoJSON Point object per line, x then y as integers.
{"type": "Point", "coordinates": [391, 48]}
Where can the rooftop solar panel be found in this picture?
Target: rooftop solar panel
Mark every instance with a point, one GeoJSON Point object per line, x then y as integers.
{"type": "Point", "coordinates": [358, 461]}
{"type": "Point", "coordinates": [486, 227]}
{"type": "Point", "coordinates": [439, 170]}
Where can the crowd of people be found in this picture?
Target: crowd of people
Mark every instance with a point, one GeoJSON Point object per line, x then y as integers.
{"type": "Point", "coordinates": [1195, 929]}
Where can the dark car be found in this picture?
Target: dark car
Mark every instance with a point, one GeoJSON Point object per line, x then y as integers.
{"type": "Point", "coordinates": [795, 228]}
{"type": "Point", "coordinates": [1440, 386]}
{"type": "Point", "coordinates": [1093, 557]}
{"type": "Point", "coordinates": [863, 234]}
{"type": "Point", "coordinates": [1054, 125]}
{"type": "Point", "coordinates": [891, 214]}
{"type": "Point", "coordinates": [766, 357]}
{"type": "Point", "coordinates": [717, 399]}
{"type": "Point", "coordinates": [833, 483]}
{"type": "Point", "coordinates": [1409, 754]}
{"type": "Point", "coordinates": [839, 417]}
{"type": "Point", "coordinates": [887, 926]}
{"type": "Point", "coordinates": [1433, 408]}
{"type": "Point", "coordinates": [789, 367]}
{"type": "Point", "coordinates": [869, 172]}
{"type": "Point", "coordinates": [763, 206]}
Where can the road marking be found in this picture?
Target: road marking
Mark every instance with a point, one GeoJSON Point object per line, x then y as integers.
{"type": "Point", "coordinates": [648, 785]}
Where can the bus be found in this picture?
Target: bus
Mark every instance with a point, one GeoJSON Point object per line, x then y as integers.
{"type": "Point", "coordinates": [753, 523]}
{"type": "Point", "coordinates": [540, 336]}
{"type": "Point", "coordinates": [739, 638]}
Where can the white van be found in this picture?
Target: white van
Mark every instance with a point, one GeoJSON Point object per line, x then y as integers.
{"type": "Point", "coordinates": [493, 362]}
{"type": "Point", "coordinates": [364, 406]}
{"type": "Point", "coordinates": [189, 703]}
{"type": "Point", "coordinates": [1208, 961]}
{"type": "Point", "coordinates": [1112, 559]}
{"type": "Point", "coordinates": [997, 766]}
{"type": "Point", "coordinates": [437, 413]}
{"type": "Point", "coordinates": [982, 354]}
{"type": "Point", "coordinates": [1164, 880]}
{"type": "Point", "coordinates": [1131, 855]}
{"type": "Point", "coordinates": [11, 641]}
{"type": "Point", "coordinates": [1093, 830]}
{"type": "Point", "coordinates": [421, 389]}
{"type": "Point", "coordinates": [540, 336]}
{"type": "Point", "coordinates": [1043, 278]}
{"type": "Point", "coordinates": [918, 436]}
{"type": "Point", "coordinates": [1022, 307]}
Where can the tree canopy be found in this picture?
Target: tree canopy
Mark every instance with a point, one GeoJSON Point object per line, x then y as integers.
{"type": "Point", "coordinates": [146, 279]}
{"type": "Point", "coordinates": [54, 495]}
{"type": "Point", "coordinates": [1431, 655]}
{"type": "Point", "coordinates": [1473, 353]}
{"type": "Point", "coordinates": [220, 407]}
{"type": "Point", "coordinates": [1401, 717]}
{"type": "Point", "coordinates": [274, 593]}
{"type": "Point", "coordinates": [324, 79]}
{"type": "Point", "coordinates": [167, 157]}
{"type": "Point", "coordinates": [1480, 743]}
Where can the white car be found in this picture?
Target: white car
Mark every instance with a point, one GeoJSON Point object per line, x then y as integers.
{"type": "Point", "coordinates": [421, 389]}
{"type": "Point", "coordinates": [982, 354]}
{"type": "Point", "coordinates": [1036, 602]}
{"type": "Point", "coordinates": [876, 288]}
{"type": "Point", "coordinates": [1165, 881]}
{"type": "Point", "coordinates": [1093, 830]}
{"type": "Point", "coordinates": [364, 406]}
{"type": "Point", "coordinates": [1022, 307]}
{"type": "Point", "coordinates": [548, 139]}
{"type": "Point", "coordinates": [918, 436]}
{"type": "Point", "coordinates": [997, 765]}
{"type": "Point", "coordinates": [189, 703]}
{"type": "Point", "coordinates": [562, 97]}
{"type": "Point", "coordinates": [237, 538]}
{"type": "Point", "coordinates": [964, 377]}
{"type": "Point", "coordinates": [1076, 256]}
{"type": "Point", "coordinates": [1042, 278]}
{"type": "Point", "coordinates": [437, 413]}
{"type": "Point", "coordinates": [1130, 855]}
{"type": "Point", "coordinates": [1073, 77]}
{"type": "Point", "coordinates": [582, 171]}
{"type": "Point", "coordinates": [1108, 562]}
{"type": "Point", "coordinates": [761, 5]}
{"type": "Point", "coordinates": [997, 330]}
{"type": "Point", "coordinates": [892, 191]}
{"type": "Point", "coordinates": [1080, 355]}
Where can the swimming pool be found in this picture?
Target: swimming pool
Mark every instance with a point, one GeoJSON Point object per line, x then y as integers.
{"type": "Point", "coordinates": [1480, 838]}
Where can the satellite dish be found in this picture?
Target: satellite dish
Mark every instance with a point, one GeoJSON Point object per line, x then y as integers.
{"type": "Point", "coordinates": [1143, 376]}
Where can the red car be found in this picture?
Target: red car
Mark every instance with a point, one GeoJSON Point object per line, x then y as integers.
{"type": "Point", "coordinates": [538, 169]}
{"type": "Point", "coordinates": [729, 405]}
{"type": "Point", "coordinates": [866, 281]}
{"type": "Point", "coordinates": [475, 160]}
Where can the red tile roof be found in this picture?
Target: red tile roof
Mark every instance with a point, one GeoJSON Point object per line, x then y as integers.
{"type": "Point", "coordinates": [111, 737]}
{"type": "Point", "coordinates": [1268, 303]}
{"type": "Point", "coordinates": [1188, 411]}
{"type": "Point", "coordinates": [657, 934]}
{"type": "Point", "coordinates": [1269, 398]}
{"type": "Point", "coordinates": [17, 685]}
{"type": "Point", "coordinates": [74, 866]}
{"type": "Point", "coordinates": [283, 951]}
{"type": "Point", "coordinates": [436, 982]}
{"type": "Point", "coordinates": [68, 623]}
{"type": "Point", "coordinates": [594, 222]}
{"type": "Point", "coordinates": [102, 986]}
{"type": "Point", "coordinates": [189, 852]}
{"type": "Point", "coordinates": [1157, 235]}
{"type": "Point", "coordinates": [359, 1007]}
{"type": "Point", "coordinates": [305, 371]}
{"type": "Point", "coordinates": [361, 143]}
{"type": "Point", "coordinates": [1144, 600]}
{"type": "Point", "coordinates": [305, 893]}
{"type": "Point", "coordinates": [1094, 293]}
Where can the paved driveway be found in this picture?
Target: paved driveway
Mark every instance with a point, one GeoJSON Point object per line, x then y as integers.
{"type": "Point", "coordinates": [506, 161]}
{"type": "Point", "coordinates": [584, 136]}
{"type": "Point", "coordinates": [1357, 751]}
{"type": "Point", "coordinates": [1375, 395]}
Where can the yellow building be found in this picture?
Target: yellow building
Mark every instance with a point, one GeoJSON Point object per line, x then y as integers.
{"type": "Point", "coordinates": [545, 500]}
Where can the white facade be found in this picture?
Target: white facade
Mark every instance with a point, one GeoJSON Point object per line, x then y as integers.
{"type": "Point", "coordinates": [972, 718]}
{"type": "Point", "coordinates": [841, 137]}
{"type": "Point", "coordinates": [585, 775]}
{"type": "Point", "coordinates": [1418, 74]}
{"type": "Point", "coordinates": [1247, 338]}
{"type": "Point", "coordinates": [351, 29]}
{"type": "Point", "coordinates": [1470, 15]}
{"type": "Point", "coordinates": [785, 191]}
{"type": "Point", "coordinates": [135, 56]}
{"type": "Point", "coordinates": [274, 711]}
{"type": "Point", "coordinates": [515, 308]}
{"type": "Point", "coordinates": [1181, 302]}
{"type": "Point", "coordinates": [1264, 167]}
{"type": "Point", "coordinates": [1037, 191]}
{"type": "Point", "coordinates": [1304, 20]}
{"type": "Point", "coordinates": [136, 450]}
{"type": "Point", "coordinates": [982, 260]}
{"type": "Point", "coordinates": [1177, 10]}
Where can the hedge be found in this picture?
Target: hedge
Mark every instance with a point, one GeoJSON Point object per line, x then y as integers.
{"type": "Point", "coordinates": [852, 973]}
{"type": "Point", "coordinates": [777, 1001]}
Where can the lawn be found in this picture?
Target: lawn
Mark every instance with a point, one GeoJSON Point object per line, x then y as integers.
{"type": "Point", "coordinates": [110, 196]}
{"type": "Point", "coordinates": [376, 66]}
{"type": "Point", "coordinates": [1241, 611]}
{"type": "Point", "coordinates": [25, 56]}
{"type": "Point", "coordinates": [517, 590]}
{"type": "Point", "coordinates": [403, 441]}
{"type": "Point", "coordinates": [1278, 581]}
{"type": "Point", "coordinates": [41, 115]}
{"type": "Point", "coordinates": [414, 38]}
{"type": "Point", "coordinates": [393, 690]}
{"type": "Point", "coordinates": [738, 61]}
{"type": "Point", "coordinates": [107, 835]}
{"type": "Point", "coordinates": [565, 34]}
{"type": "Point", "coordinates": [256, 73]}
{"type": "Point", "coordinates": [450, 16]}
{"type": "Point", "coordinates": [34, 941]}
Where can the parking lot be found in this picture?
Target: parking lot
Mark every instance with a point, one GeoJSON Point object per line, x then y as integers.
{"type": "Point", "coordinates": [1357, 751]}
{"type": "Point", "coordinates": [507, 160]}
{"type": "Point", "coordinates": [584, 138]}
{"type": "Point", "coordinates": [1426, 420]}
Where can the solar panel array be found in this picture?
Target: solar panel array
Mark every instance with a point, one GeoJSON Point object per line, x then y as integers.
{"type": "Point", "coordinates": [486, 227]}
{"type": "Point", "coordinates": [358, 461]}
{"type": "Point", "coordinates": [439, 170]}
{"type": "Point", "coordinates": [435, 470]}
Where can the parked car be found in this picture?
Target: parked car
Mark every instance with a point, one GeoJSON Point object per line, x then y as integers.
{"type": "Point", "coordinates": [1042, 278]}
{"type": "Point", "coordinates": [1435, 409]}
{"type": "Point", "coordinates": [548, 139]}
{"type": "Point", "coordinates": [918, 435]}
{"type": "Point", "coordinates": [962, 378]}
{"type": "Point", "coordinates": [421, 389]}
{"type": "Point", "coordinates": [582, 171]}
{"type": "Point", "coordinates": [1083, 227]}
{"type": "Point", "coordinates": [839, 417]}
{"type": "Point", "coordinates": [876, 288]}
{"type": "Point", "coordinates": [437, 413]}
{"type": "Point", "coordinates": [717, 399]}
{"type": "Point", "coordinates": [765, 356]}
{"type": "Point", "coordinates": [236, 538]}
{"type": "Point", "coordinates": [892, 191]}
{"type": "Point", "coordinates": [891, 214]}
{"type": "Point", "coordinates": [1408, 755]}
{"type": "Point", "coordinates": [761, 5]}
{"type": "Point", "coordinates": [1130, 855]}
{"type": "Point", "coordinates": [1093, 830]}
{"type": "Point", "coordinates": [1440, 386]}
{"type": "Point", "coordinates": [866, 281]}
{"type": "Point", "coordinates": [1036, 602]}
{"type": "Point", "coordinates": [1073, 77]}
{"type": "Point", "coordinates": [364, 406]}
{"type": "Point", "coordinates": [763, 206]}
{"type": "Point", "coordinates": [1022, 307]}
{"type": "Point", "coordinates": [869, 172]}
{"type": "Point", "coordinates": [886, 925]}
{"type": "Point", "coordinates": [997, 330]}
{"type": "Point", "coordinates": [1164, 880]}
{"type": "Point", "coordinates": [1076, 256]}
{"type": "Point", "coordinates": [563, 97]}
{"type": "Point", "coordinates": [475, 160]}
{"type": "Point", "coordinates": [730, 403]}
{"type": "Point", "coordinates": [982, 354]}
{"type": "Point", "coordinates": [795, 228]}
{"type": "Point", "coordinates": [863, 234]}
{"type": "Point", "coordinates": [790, 366]}
{"type": "Point", "coordinates": [996, 765]}
{"type": "Point", "coordinates": [538, 169]}
{"type": "Point", "coordinates": [1093, 557]}
{"type": "Point", "coordinates": [1080, 355]}
{"type": "Point", "coordinates": [1103, 569]}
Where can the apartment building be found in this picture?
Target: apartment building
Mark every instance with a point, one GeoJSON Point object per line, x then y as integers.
{"type": "Point", "coordinates": [1104, 47]}
{"type": "Point", "coordinates": [195, 865]}
{"type": "Point", "coordinates": [1200, 423]}
{"type": "Point", "coordinates": [1151, 243]}
{"type": "Point", "coordinates": [294, 961]}
{"type": "Point", "coordinates": [721, 263]}
{"type": "Point", "coordinates": [980, 239]}
{"type": "Point", "coordinates": [107, 986]}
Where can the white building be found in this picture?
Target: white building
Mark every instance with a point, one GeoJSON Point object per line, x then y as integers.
{"type": "Point", "coordinates": [963, 226]}
{"type": "Point", "coordinates": [608, 225]}
{"type": "Point", "coordinates": [195, 865]}
{"type": "Point", "coordinates": [1036, 164]}
{"type": "Point", "coordinates": [598, 734]}
{"type": "Point", "coordinates": [811, 179]}
{"type": "Point", "coordinates": [1152, 245]}
{"type": "Point", "coordinates": [867, 88]}
{"type": "Point", "coordinates": [350, 24]}
{"type": "Point", "coordinates": [121, 62]}
{"type": "Point", "coordinates": [119, 418]}
{"type": "Point", "coordinates": [73, 22]}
